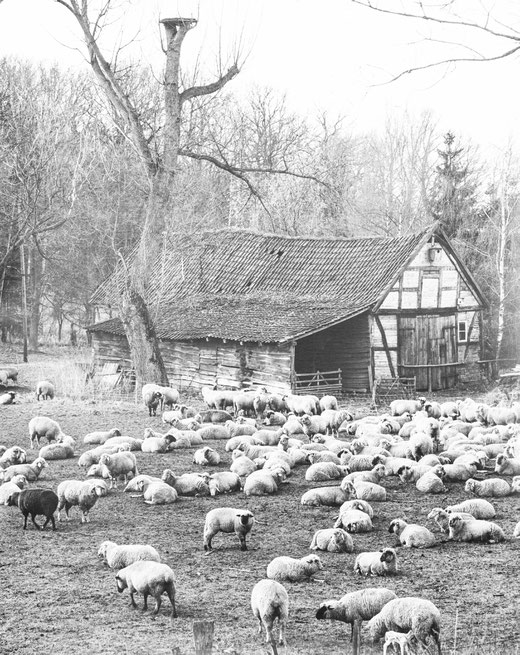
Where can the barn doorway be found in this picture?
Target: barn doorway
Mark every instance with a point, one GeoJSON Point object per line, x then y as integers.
{"type": "Point", "coordinates": [428, 339]}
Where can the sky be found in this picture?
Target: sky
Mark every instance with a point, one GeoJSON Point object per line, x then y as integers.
{"type": "Point", "coordinates": [330, 56]}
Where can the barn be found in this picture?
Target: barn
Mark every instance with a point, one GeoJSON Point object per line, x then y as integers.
{"type": "Point", "coordinates": [238, 308]}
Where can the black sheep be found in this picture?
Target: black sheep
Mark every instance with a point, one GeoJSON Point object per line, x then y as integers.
{"type": "Point", "coordinates": [35, 502]}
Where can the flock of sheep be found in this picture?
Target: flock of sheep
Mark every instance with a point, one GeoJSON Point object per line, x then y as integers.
{"type": "Point", "coordinates": [267, 435]}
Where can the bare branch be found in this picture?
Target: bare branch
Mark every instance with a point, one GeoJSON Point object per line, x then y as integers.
{"type": "Point", "coordinates": [207, 89]}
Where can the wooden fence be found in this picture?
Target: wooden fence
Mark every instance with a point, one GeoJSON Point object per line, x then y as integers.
{"type": "Point", "coordinates": [319, 382]}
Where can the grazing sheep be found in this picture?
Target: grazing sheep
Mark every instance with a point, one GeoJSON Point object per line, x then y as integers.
{"type": "Point", "coordinates": [187, 484]}
{"type": "Point", "coordinates": [477, 507]}
{"type": "Point", "coordinates": [120, 465]}
{"type": "Point", "coordinates": [157, 493]}
{"type": "Point", "coordinates": [30, 471]}
{"type": "Point", "coordinates": [100, 436]}
{"type": "Point", "coordinates": [122, 555]}
{"type": "Point", "coordinates": [43, 426]}
{"type": "Point", "coordinates": [332, 540]}
{"type": "Point", "coordinates": [269, 601]}
{"type": "Point", "coordinates": [12, 456]}
{"type": "Point", "coordinates": [356, 606]}
{"type": "Point", "coordinates": [261, 483]}
{"type": "Point", "coordinates": [35, 502]}
{"type": "Point", "coordinates": [53, 451]}
{"type": "Point", "coordinates": [354, 520]}
{"type": "Point", "coordinates": [8, 488]}
{"type": "Point", "coordinates": [206, 457]}
{"type": "Point", "coordinates": [398, 407]}
{"type": "Point", "coordinates": [491, 488]}
{"type": "Point", "coordinates": [84, 494]}
{"type": "Point", "coordinates": [329, 496]}
{"type": "Point", "coordinates": [322, 471]}
{"type": "Point", "coordinates": [149, 579]}
{"type": "Point", "coordinates": [223, 483]}
{"type": "Point", "coordinates": [381, 562]}
{"type": "Point", "coordinates": [7, 398]}
{"type": "Point", "coordinates": [507, 465]}
{"type": "Point", "coordinates": [369, 491]}
{"type": "Point", "coordinates": [474, 530]}
{"type": "Point", "coordinates": [228, 519]}
{"type": "Point", "coordinates": [294, 570]}
{"type": "Point", "coordinates": [8, 373]}
{"type": "Point", "coordinates": [442, 517]}
{"type": "Point", "coordinates": [417, 615]}
{"type": "Point", "coordinates": [45, 390]}
{"type": "Point", "coordinates": [412, 535]}
{"type": "Point", "coordinates": [431, 482]}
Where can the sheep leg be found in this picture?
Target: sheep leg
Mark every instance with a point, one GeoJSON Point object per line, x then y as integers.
{"type": "Point", "coordinates": [26, 516]}
{"type": "Point", "coordinates": [242, 539]}
{"type": "Point", "coordinates": [134, 604]}
{"type": "Point", "coordinates": [158, 603]}
{"type": "Point", "coordinates": [49, 518]}
{"type": "Point", "coordinates": [171, 596]}
{"type": "Point", "coordinates": [33, 519]}
{"type": "Point", "coordinates": [145, 603]}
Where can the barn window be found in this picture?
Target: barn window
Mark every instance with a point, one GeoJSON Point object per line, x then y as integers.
{"type": "Point", "coordinates": [463, 331]}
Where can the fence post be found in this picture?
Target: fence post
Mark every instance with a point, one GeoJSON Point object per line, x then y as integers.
{"type": "Point", "coordinates": [203, 637]}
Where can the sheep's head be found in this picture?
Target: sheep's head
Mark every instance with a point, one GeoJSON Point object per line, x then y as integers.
{"type": "Point", "coordinates": [470, 485]}
{"type": "Point", "coordinates": [404, 473]}
{"type": "Point", "coordinates": [328, 609]}
{"type": "Point", "coordinates": [121, 582]}
{"type": "Point", "coordinates": [313, 562]}
{"type": "Point", "coordinates": [19, 480]}
{"type": "Point", "coordinates": [397, 526]}
{"type": "Point", "coordinates": [168, 476]}
{"type": "Point", "coordinates": [105, 459]}
{"type": "Point", "coordinates": [40, 463]}
{"type": "Point", "coordinates": [306, 420]}
{"type": "Point", "coordinates": [388, 556]}
{"type": "Point", "coordinates": [454, 521]}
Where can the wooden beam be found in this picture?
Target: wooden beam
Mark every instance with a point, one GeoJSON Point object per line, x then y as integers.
{"type": "Point", "coordinates": [385, 345]}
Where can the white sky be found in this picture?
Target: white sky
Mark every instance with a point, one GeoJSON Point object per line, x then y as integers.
{"type": "Point", "coordinates": [326, 56]}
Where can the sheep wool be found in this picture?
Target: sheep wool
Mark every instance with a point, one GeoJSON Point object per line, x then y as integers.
{"type": "Point", "coordinates": [474, 530]}
{"type": "Point", "coordinates": [492, 487]}
{"type": "Point", "coordinates": [380, 563]}
{"type": "Point", "coordinates": [148, 579]}
{"type": "Point", "coordinates": [333, 540]}
{"type": "Point", "coordinates": [36, 502]}
{"type": "Point", "coordinates": [477, 507]}
{"type": "Point", "coordinates": [356, 606]}
{"type": "Point", "coordinates": [228, 520]}
{"type": "Point", "coordinates": [122, 555]}
{"type": "Point", "coordinates": [270, 601]}
{"type": "Point", "coordinates": [412, 535]}
{"type": "Point", "coordinates": [329, 496]}
{"type": "Point", "coordinates": [294, 570]}
{"type": "Point", "coordinates": [83, 494]}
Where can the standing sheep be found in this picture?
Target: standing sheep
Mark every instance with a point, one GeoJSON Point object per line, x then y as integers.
{"type": "Point", "coordinates": [294, 570]}
{"type": "Point", "coordinates": [118, 556]}
{"type": "Point", "coordinates": [35, 502]}
{"type": "Point", "coordinates": [381, 562]}
{"type": "Point", "coordinates": [269, 601]}
{"type": "Point", "coordinates": [228, 519]}
{"type": "Point", "coordinates": [45, 390]}
{"type": "Point", "coordinates": [149, 579]}
{"type": "Point", "coordinates": [84, 494]}
{"type": "Point", "coordinates": [43, 426]}
{"type": "Point", "coordinates": [121, 464]}
{"type": "Point", "coordinates": [332, 540]}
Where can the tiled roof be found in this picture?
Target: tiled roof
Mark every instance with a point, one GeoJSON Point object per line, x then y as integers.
{"type": "Point", "coordinates": [246, 286]}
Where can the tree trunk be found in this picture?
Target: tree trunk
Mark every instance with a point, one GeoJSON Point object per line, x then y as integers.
{"type": "Point", "coordinates": [36, 267]}
{"type": "Point", "coordinates": [501, 269]}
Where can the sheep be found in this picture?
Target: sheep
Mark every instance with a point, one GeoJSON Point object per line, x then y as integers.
{"type": "Point", "coordinates": [431, 481]}
{"type": "Point", "coordinates": [7, 398]}
{"type": "Point", "coordinates": [278, 461]}
{"type": "Point", "coordinates": [12, 456]}
{"type": "Point", "coordinates": [294, 570]}
{"type": "Point", "coordinates": [474, 530]}
{"type": "Point", "coordinates": [53, 451]}
{"type": "Point", "coordinates": [35, 502]}
{"type": "Point", "coordinates": [459, 472]}
{"type": "Point", "coordinates": [325, 471]}
{"type": "Point", "coordinates": [236, 431]}
{"type": "Point", "coordinates": [185, 425]}
{"type": "Point", "coordinates": [402, 640]}
{"type": "Point", "coordinates": [357, 504]}
{"type": "Point", "coordinates": [206, 457]}
{"type": "Point", "coordinates": [500, 415]}
{"type": "Point", "coordinates": [421, 444]}
{"type": "Point", "coordinates": [357, 606]}
{"type": "Point", "coordinates": [149, 579]}
{"type": "Point", "coordinates": [188, 484]}
{"type": "Point", "coordinates": [154, 442]}
{"type": "Point", "coordinates": [8, 373]}
{"type": "Point", "coordinates": [224, 482]}
{"type": "Point", "coordinates": [398, 449]}
{"type": "Point", "coordinates": [301, 405]}
{"type": "Point", "coordinates": [269, 601]}
{"type": "Point", "coordinates": [507, 465]}
{"type": "Point", "coordinates": [380, 563]}
{"type": "Point", "coordinates": [412, 535]}
{"type": "Point", "coordinates": [332, 540]}
{"type": "Point", "coordinates": [122, 464]}
{"type": "Point", "coordinates": [30, 471]}
{"type": "Point", "coordinates": [93, 456]}
{"type": "Point", "coordinates": [243, 401]}
{"type": "Point", "coordinates": [241, 464]}
{"type": "Point", "coordinates": [329, 496]}
{"type": "Point", "coordinates": [84, 494]}
{"type": "Point", "coordinates": [398, 407]}
{"type": "Point", "coordinates": [492, 487]}
{"type": "Point", "coordinates": [515, 485]}
{"type": "Point", "coordinates": [14, 485]}
{"type": "Point", "coordinates": [218, 399]}
{"type": "Point", "coordinates": [45, 390]}
{"type": "Point", "coordinates": [392, 464]}
{"type": "Point", "coordinates": [101, 436]}
{"type": "Point", "coordinates": [122, 555]}
{"type": "Point", "coordinates": [369, 490]}
{"type": "Point", "coordinates": [157, 493]}
{"type": "Point", "coordinates": [254, 452]}
{"type": "Point", "coordinates": [124, 440]}
{"type": "Point", "coordinates": [274, 418]}
{"type": "Point", "coordinates": [413, 472]}
{"type": "Point", "coordinates": [468, 410]}
{"type": "Point", "coordinates": [261, 483]}
{"type": "Point", "coordinates": [213, 432]}
{"type": "Point", "coordinates": [228, 520]}
{"type": "Point", "coordinates": [441, 518]}
{"type": "Point", "coordinates": [374, 475]}
{"type": "Point", "coordinates": [268, 437]}
{"type": "Point", "coordinates": [354, 520]}
{"type": "Point", "coordinates": [43, 426]}
{"type": "Point", "coordinates": [170, 396]}
{"type": "Point", "coordinates": [417, 615]}
{"type": "Point", "coordinates": [315, 457]}
{"type": "Point", "coordinates": [477, 507]}
{"type": "Point", "coordinates": [449, 409]}
{"type": "Point", "coordinates": [152, 398]}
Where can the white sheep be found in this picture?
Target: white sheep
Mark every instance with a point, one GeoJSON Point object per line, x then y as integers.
{"type": "Point", "coordinates": [224, 482]}
{"type": "Point", "coordinates": [120, 464]}
{"type": "Point", "coordinates": [357, 504]}
{"type": "Point", "coordinates": [31, 471]}
{"type": "Point", "coordinates": [491, 488]}
{"type": "Point", "coordinates": [369, 491]}
{"type": "Point", "coordinates": [378, 563]}
{"type": "Point", "coordinates": [354, 520]}
{"type": "Point", "coordinates": [270, 601]}
{"type": "Point", "coordinates": [333, 540]}
{"type": "Point", "coordinates": [13, 486]}
{"type": "Point", "coordinates": [187, 484]}
{"type": "Point", "coordinates": [241, 464]}
{"type": "Point", "coordinates": [442, 517]}
{"type": "Point", "coordinates": [329, 496]}
{"type": "Point", "coordinates": [206, 457]}
{"type": "Point", "coordinates": [323, 471]}
{"type": "Point", "coordinates": [83, 494]}
{"type": "Point", "coordinates": [404, 641]}
{"type": "Point", "coordinates": [294, 570]}
{"type": "Point", "coordinates": [261, 483]}
{"type": "Point", "coordinates": [213, 432]}
{"type": "Point", "coordinates": [398, 407]}
{"type": "Point", "coordinates": [118, 556]}
{"type": "Point", "coordinates": [507, 465]}
{"type": "Point", "coordinates": [515, 485]}
{"type": "Point", "coordinates": [477, 507]}
{"type": "Point", "coordinates": [132, 485]}
{"type": "Point", "coordinates": [516, 531]}
{"type": "Point", "coordinates": [124, 442]}
{"type": "Point", "coordinates": [43, 427]}
{"type": "Point", "coordinates": [157, 493]}
{"type": "Point", "coordinates": [45, 390]}
{"type": "Point", "coordinates": [328, 402]}
{"type": "Point", "coordinates": [459, 472]}
{"type": "Point", "coordinates": [431, 482]}
{"type": "Point", "coordinates": [54, 451]}
{"type": "Point", "coordinates": [417, 615]}
{"type": "Point", "coordinates": [412, 535]}
{"type": "Point", "coordinates": [149, 579]}
{"type": "Point", "coordinates": [375, 475]}
{"type": "Point", "coordinates": [101, 436]}
{"type": "Point", "coordinates": [228, 520]}
{"type": "Point", "coordinates": [474, 530]}
{"type": "Point", "coordinates": [12, 456]}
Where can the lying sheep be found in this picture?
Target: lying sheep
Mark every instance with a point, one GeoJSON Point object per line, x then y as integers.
{"type": "Point", "coordinates": [93, 456]}
{"type": "Point", "coordinates": [35, 502]}
{"type": "Point", "coordinates": [412, 535]}
{"type": "Point", "coordinates": [120, 465]}
{"type": "Point", "coordinates": [237, 430]}
{"type": "Point", "coordinates": [516, 531]}
{"type": "Point", "coordinates": [228, 519]}
{"type": "Point", "coordinates": [507, 465]}
{"type": "Point", "coordinates": [369, 491]}
{"type": "Point", "coordinates": [357, 606]}
{"type": "Point", "coordinates": [261, 483]}
{"type": "Point", "coordinates": [31, 471]}
{"type": "Point", "coordinates": [329, 496]}
{"type": "Point", "coordinates": [332, 540]}
{"type": "Point", "coordinates": [375, 475]}
{"type": "Point", "coordinates": [492, 487]}
{"type": "Point", "coordinates": [154, 442]}
{"type": "Point", "coordinates": [442, 517]}
{"type": "Point", "coordinates": [54, 451]}
{"type": "Point", "coordinates": [224, 482]}
{"type": "Point", "coordinates": [274, 418]}
{"type": "Point", "coordinates": [241, 464]}
{"type": "Point", "coordinates": [149, 579]}
{"type": "Point", "coordinates": [124, 442]}
{"type": "Point", "coordinates": [157, 493]}
{"type": "Point", "coordinates": [45, 390]}
{"type": "Point", "coordinates": [269, 601]}
{"type": "Point", "coordinates": [187, 484]}
{"type": "Point", "coordinates": [381, 563]}
{"type": "Point", "coordinates": [431, 482]}
{"type": "Point", "coordinates": [122, 555]}
{"type": "Point", "coordinates": [322, 471]}
{"type": "Point", "coordinates": [12, 456]}
{"type": "Point", "coordinates": [13, 486]}
{"type": "Point", "coordinates": [474, 530]}
{"type": "Point", "coordinates": [132, 485]}
{"type": "Point", "coordinates": [83, 494]}
{"type": "Point", "coordinates": [477, 507]}
{"type": "Point", "coordinates": [7, 398]}
{"type": "Point", "coordinates": [357, 504]}
{"type": "Point", "coordinates": [206, 457]}
{"type": "Point", "coordinates": [417, 615]}
{"type": "Point", "coordinates": [294, 570]}
{"type": "Point", "coordinates": [459, 472]}
{"type": "Point", "coordinates": [213, 432]}
{"type": "Point", "coordinates": [101, 436]}
{"type": "Point", "coordinates": [354, 520]}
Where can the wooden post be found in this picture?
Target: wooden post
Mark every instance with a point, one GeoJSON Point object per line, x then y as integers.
{"type": "Point", "coordinates": [203, 637]}
{"type": "Point", "coordinates": [24, 301]}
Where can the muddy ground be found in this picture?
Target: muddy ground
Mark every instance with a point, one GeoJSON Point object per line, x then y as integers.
{"type": "Point", "coordinates": [57, 597]}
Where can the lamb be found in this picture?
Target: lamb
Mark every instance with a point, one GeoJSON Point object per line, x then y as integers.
{"type": "Point", "coordinates": [269, 601]}
{"type": "Point", "coordinates": [322, 471]}
{"type": "Point", "coordinates": [507, 465]}
{"type": "Point", "coordinates": [431, 482]}
{"type": "Point", "coordinates": [294, 570]}
{"type": "Point", "coordinates": [241, 464]}
{"type": "Point", "coordinates": [380, 563]}
{"type": "Point", "coordinates": [398, 407]}
{"type": "Point", "coordinates": [261, 483]}
{"type": "Point", "coordinates": [412, 535]}
{"type": "Point", "coordinates": [45, 390]}
{"type": "Point", "coordinates": [417, 615]}
{"type": "Point", "coordinates": [35, 502]}
{"type": "Point", "coordinates": [329, 496]}
{"type": "Point", "coordinates": [228, 520]}
{"type": "Point", "coordinates": [12, 456]}
{"type": "Point", "coordinates": [152, 398]}
{"type": "Point", "coordinates": [356, 606]}
{"type": "Point", "coordinates": [122, 464]}
{"type": "Point", "coordinates": [31, 471]}
{"type": "Point", "coordinates": [492, 487]}
{"type": "Point", "coordinates": [354, 520]}
{"type": "Point", "coordinates": [369, 490]}
{"type": "Point", "coordinates": [477, 507]}
{"type": "Point", "coordinates": [223, 483]}
{"type": "Point", "coordinates": [442, 517]}
{"type": "Point", "coordinates": [206, 457]}
{"type": "Point", "coordinates": [332, 540]}
{"type": "Point", "coordinates": [149, 579]}
{"type": "Point", "coordinates": [7, 398]}
{"type": "Point", "coordinates": [43, 426]}
{"type": "Point", "coordinates": [13, 486]}
{"type": "Point", "coordinates": [53, 451]}
{"type": "Point", "coordinates": [120, 556]}
{"type": "Point", "coordinates": [157, 493]}
{"type": "Point", "coordinates": [188, 484]}
{"type": "Point", "coordinates": [474, 530]}
{"type": "Point", "coordinates": [84, 494]}
{"type": "Point", "coordinates": [402, 640]}
{"type": "Point", "coordinates": [101, 436]}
